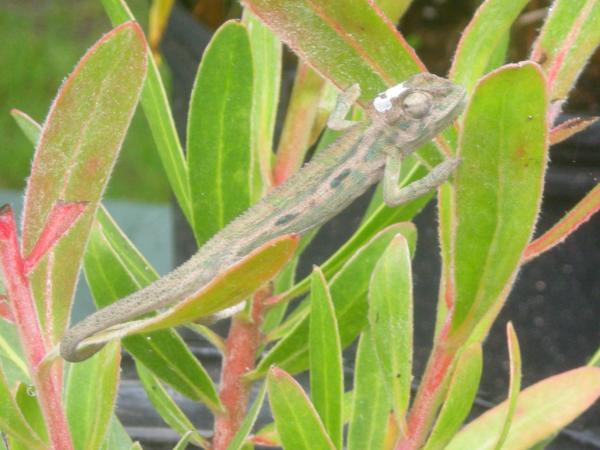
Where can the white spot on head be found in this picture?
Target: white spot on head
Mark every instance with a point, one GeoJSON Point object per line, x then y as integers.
{"type": "Point", "coordinates": [383, 102]}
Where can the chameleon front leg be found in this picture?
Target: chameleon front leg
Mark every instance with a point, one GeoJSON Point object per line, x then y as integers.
{"type": "Point", "coordinates": [337, 119]}
{"type": "Point", "coordinates": [394, 195]}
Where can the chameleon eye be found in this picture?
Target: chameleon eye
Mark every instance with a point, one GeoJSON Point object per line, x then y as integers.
{"type": "Point", "coordinates": [417, 104]}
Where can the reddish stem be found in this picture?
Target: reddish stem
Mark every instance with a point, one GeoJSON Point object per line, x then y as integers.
{"type": "Point", "coordinates": [241, 346]}
{"type": "Point", "coordinates": [26, 320]}
{"type": "Point", "coordinates": [428, 397]}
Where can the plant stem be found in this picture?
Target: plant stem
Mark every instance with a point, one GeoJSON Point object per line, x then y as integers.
{"type": "Point", "coordinates": [26, 320]}
{"type": "Point", "coordinates": [241, 346]}
{"type": "Point", "coordinates": [431, 389]}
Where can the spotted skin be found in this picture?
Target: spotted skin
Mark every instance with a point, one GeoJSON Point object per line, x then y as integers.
{"type": "Point", "coordinates": [397, 122]}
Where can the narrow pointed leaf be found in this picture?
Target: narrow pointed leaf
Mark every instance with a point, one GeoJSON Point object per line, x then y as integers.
{"type": "Point", "coordinates": [459, 397]}
{"type": "Point", "coordinates": [542, 410]}
{"type": "Point", "coordinates": [219, 132]}
{"type": "Point", "coordinates": [166, 407]}
{"type": "Point", "coordinates": [297, 422]}
{"type": "Point", "coordinates": [394, 9]}
{"type": "Point", "coordinates": [12, 422]}
{"type": "Point", "coordinates": [158, 112]}
{"type": "Point", "coordinates": [326, 371]}
{"type": "Point", "coordinates": [90, 395]}
{"type": "Point", "coordinates": [371, 402]}
{"type": "Point", "coordinates": [61, 218]}
{"type": "Point", "coordinates": [515, 383]}
{"type": "Point", "coordinates": [568, 128]}
{"type": "Point", "coordinates": [237, 443]}
{"type": "Point", "coordinates": [76, 151]}
{"type": "Point", "coordinates": [391, 323]}
{"type": "Point", "coordinates": [570, 35]}
{"type": "Point", "coordinates": [224, 291]}
{"type": "Point", "coordinates": [577, 216]}
{"type": "Point", "coordinates": [30, 408]}
{"type": "Point", "coordinates": [487, 29]}
{"type": "Point", "coordinates": [113, 269]}
{"type": "Point", "coordinates": [30, 128]}
{"type": "Point", "coordinates": [266, 57]}
{"type": "Point", "coordinates": [349, 293]}
{"type": "Point", "coordinates": [498, 187]}
{"type": "Point", "coordinates": [116, 437]}
{"type": "Point", "coordinates": [182, 444]}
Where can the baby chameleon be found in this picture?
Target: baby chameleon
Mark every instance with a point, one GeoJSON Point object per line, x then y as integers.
{"type": "Point", "coordinates": [397, 122]}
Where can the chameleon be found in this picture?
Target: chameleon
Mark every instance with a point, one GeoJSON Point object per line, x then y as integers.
{"type": "Point", "coordinates": [396, 123]}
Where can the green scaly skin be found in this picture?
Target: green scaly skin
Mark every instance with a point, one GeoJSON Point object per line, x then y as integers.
{"type": "Point", "coordinates": [320, 190]}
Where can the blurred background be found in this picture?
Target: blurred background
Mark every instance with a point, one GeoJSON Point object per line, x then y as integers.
{"type": "Point", "coordinates": [555, 304]}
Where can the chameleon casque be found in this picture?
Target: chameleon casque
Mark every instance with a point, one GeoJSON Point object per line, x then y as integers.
{"type": "Point", "coordinates": [397, 122]}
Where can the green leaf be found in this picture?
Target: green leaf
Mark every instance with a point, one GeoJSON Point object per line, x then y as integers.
{"type": "Point", "coordinates": [266, 57]}
{"type": "Point", "coordinates": [238, 440]}
{"type": "Point", "coordinates": [371, 402]}
{"type": "Point", "coordinates": [183, 442]}
{"type": "Point", "coordinates": [478, 45]}
{"type": "Point", "coordinates": [114, 268]}
{"type": "Point", "coordinates": [498, 189]}
{"type": "Point", "coordinates": [30, 408]}
{"type": "Point", "coordinates": [158, 112]}
{"type": "Point", "coordinates": [394, 9]}
{"type": "Point", "coordinates": [361, 47]}
{"type": "Point", "coordinates": [543, 409]}
{"type": "Point", "coordinates": [116, 437]}
{"type": "Point", "coordinates": [515, 383]}
{"type": "Point", "coordinates": [219, 133]}
{"type": "Point", "coordinates": [75, 154]}
{"type": "Point", "coordinates": [90, 395]}
{"type": "Point", "coordinates": [227, 289]}
{"type": "Point", "coordinates": [326, 371]}
{"type": "Point", "coordinates": [12, 359]}
{"type": "Point", "coordinates": [30, 128]}
{"type": "Point", "coordinates": [349, 293]}
{"type": "Point", "coordinates": [459, 397]}
{"type": "Point", "coordinates": [297, 422]}
{"type": "Point", "coordinates": [166, 407]}
{"type": "Point", "coordinates": [391, 322]}
{"type": "Point", "coordinates": [569, 37]}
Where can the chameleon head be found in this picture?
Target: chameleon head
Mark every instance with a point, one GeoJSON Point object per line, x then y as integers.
{"type": "Point", "coordinates": [420, 107]}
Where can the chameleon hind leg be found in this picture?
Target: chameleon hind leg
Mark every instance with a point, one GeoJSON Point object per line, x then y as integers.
{"type": "Point", "coordinates": [394, 195]}
{"type": "Point", "coordinates": [337, 119]}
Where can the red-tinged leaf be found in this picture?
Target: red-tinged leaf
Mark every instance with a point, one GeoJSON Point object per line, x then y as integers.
{"type": "Point", "coordinates": [498, 189]}
{"type": "Point", "coordinates": [61, 218]}
{"type": "Point", "coordinates": [353, 44]}
{"type": "Point", "coordinates": [459, 397]}
{"type": "Point", "coordinates": [569, 36]}
{"type": "Point", "coordinates": [299, 120]}
{"type": "Point", "coordinates": [515, 383]}
{"type": "Point", "coordinates": [570, 127]}
{"type": "Point", "coordinates": [541, 411]}
{"type": "Point", "coordinates": [478, 43]}
{"type": "Point", "coordinates": [297, 422]}
{"type": "Point", "coordinates": [580, 214]}
{"type": "Point", "coordinates": [79, 143]}
{"type": "Point", "coordinates": [226, 290]}
{"type": "Point", "coordinates": [5, 311]}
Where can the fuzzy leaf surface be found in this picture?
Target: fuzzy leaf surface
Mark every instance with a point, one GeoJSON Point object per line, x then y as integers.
{"type": "Point", "coordinates": [75, 154]}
